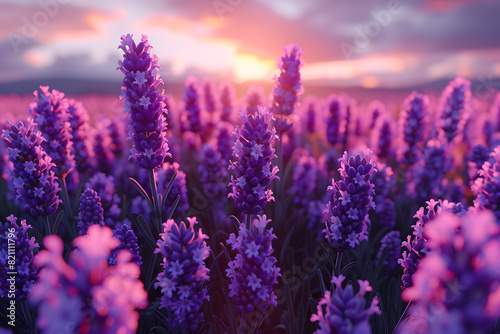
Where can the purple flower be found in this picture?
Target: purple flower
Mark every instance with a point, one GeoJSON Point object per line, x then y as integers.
{"type": "Point", "coordinates": [253, 272]}
{"type": "Point", "coordinates": [185, 275]}
{"type": "Point", "coordinates": [454, 107]}
{"type": "Point", "coordinates": [144, 102]}
{"type": "Point", "coordinates": [192, 109]}
{"type": "Point", "coordinates": [412, 127]}
{"type": "Point", "coordinates": [104, 159]}
{"type": "Point", "coordinates": [384, 138]}
{"type": "Point", "coordinates": [429, 172]}
{"type": "Point", "coordinates": [90, 210]}
{"type": "Point", "coordinates": [50, 112]}
{"type": "Point", "coordinates": [208, 94]}
{"type": "Point", "coordinates": [335, 120]}
{"type": "Point", "coordinates": [128, 240]}
{"type": "Point", "coordinates": [34, 178]}
{"type": "Point", "coordinates": [213, 172]}
{"type": "Point", "coordinates": [253, 169]}
{"type": "Point", "coordinates": [85, 294]}
{"type": "Point", "coordinates": [352, 198]}
{"type": "Point", "coordinates": [227, 101]}
{"type": "Point", "coordinates": [116, 131]}
{"type": "Point", "coordinates": [225, 142]}
{"type": "Point", "coordinates": [376, 108]}
{"type": "Point", "coordinates": [22, 249]}
{"type": "Point", "coordinates": [304, 180]}
{"type": "Point", "coordinates": [287, 87]}
{"type": "Point", "coordinates": [392, 243]}
{"type": "Point", "coordinates": [342, 311]}
{"type": "Point", "coordinates": [179, 187]}
{"type": "Point", "coordinates": [111, 202]}
{"type": "Point", "coordinates": [349, 106]}
{"type": "Point", "coordinates": [80, 131]}
{"type": "Point", "coordinates": [254, 98]}
{"type": "Point", "coordinates": [310, 116]}
{"type": "Point", "coordinates": [486, 187]}
{"type": "Point", "coordinates": [456, 285]}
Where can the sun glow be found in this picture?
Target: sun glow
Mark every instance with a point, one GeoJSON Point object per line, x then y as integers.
{"type": "Point", "coordinates": [250, 67]}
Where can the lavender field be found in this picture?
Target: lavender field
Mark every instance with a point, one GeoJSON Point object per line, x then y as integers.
{"type": "Point", "coordinates": [249, 203]}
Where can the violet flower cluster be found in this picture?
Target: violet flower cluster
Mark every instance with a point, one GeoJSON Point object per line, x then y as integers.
{"type": "Point", "coordinates": [335, 121]}
{"type": "Point", "coordinates": [254, 97]}
{"type": "Point", "coordinates": [128, 241]}
{"type": "Point", "coordinates": [213, 172]}
{"type": "Point", "coordinates": [304, 178]}
{"type": "Point", "coordinates": [90, 210]}
{"type": "Point", "coordinates": [185, 275]}
{"type": "Point", "coordinates": [86, 295]}
{"type": "Point", "coordinates": [412, 127]}
{"type": "Point", "coordinates": [227, 101]}
{"type": "Point", "coordinates": [50, 112]}
{"type": "Point", "coordinates": [454, 107]}
{"type": "Point", "coordinates": [225, 142]}
{"type": "Point", "coordinates": [384, 184]}
{"type": "Point", "coordinates": [192, 108]}
{"type": "Point", "coordinates": [144, 102]}
{"type": "Point", "coordinates": [80, 132]}
{"type": "Point", "coordinates": [391, 242]}
{"type": "Point", "coordinates": [104, 185]}
{"type": "Point", "coordinates": [383, 145]}
{"type": "Point", "coordinates": [287, 87]}
{"type": "Point", "coordinates": [34, 178]}
{"type": "Point", "coordinates": [179, 188]}
{"type": "Point", "coordinates": [486, 187]}
{"type": "Point", "coordinates": [456, 286]}
{"type": "Point", "coordinates": [24, 267]}
{"type": "Point", "coordinates": [253, 272]}
{"type": "Point", "coordinates": [348, 220]}
{"type": "Point", "coordinates": [343, 311]}
{"type": "Point", "coordinates": [253, 167]}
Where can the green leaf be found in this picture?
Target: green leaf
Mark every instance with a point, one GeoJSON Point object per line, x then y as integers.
{"type": "Point", "coordinates": [141, 190]}
{"type": "Point", "coordinates": [145, 229]}
{"type": "Point", "coordinates": [57, 222]}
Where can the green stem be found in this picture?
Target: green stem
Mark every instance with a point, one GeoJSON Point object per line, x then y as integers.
{"type": "Point", "coordinates": [47, 225]}
{"type": "Point", "coordinates": [338, 263]}
{"type": "Point", "coordinates": [156, 200]}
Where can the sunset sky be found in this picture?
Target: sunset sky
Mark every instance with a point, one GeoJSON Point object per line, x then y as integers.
{"type": "Point", "coordinates": [391, 43]}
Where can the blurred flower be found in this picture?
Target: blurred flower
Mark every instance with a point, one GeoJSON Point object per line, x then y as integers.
{"type": "Point", "coordinates": [456, 286]}
{"type": "Point", "coordinates": [335, 120]}
{"type": "Point", "coordinates": [343, 312]}
{"type": "Point", "coordinates": [225, 142]}
{"type": "Point", "coordinates": [24, 267]}
{"type": "Point", "coordinates": [213, 172]}
{"type": "Point", "coordinates": [383, 144]}
{"type": "Point", "coordinates": [253, 272]}
{"type": "Point", "coordinates": [392, 243]}
{"type": "Point", "coordinates": [375, 109]}
{"type": "Point", "coordinates": [310, 116]}
{"type": "Point", "coordinates": [104, 185]}
{"type": "Point", "coordinates": [103, 155]}
{"type": "Point", "coordinates": [183, 280]}
{"type": "Point", "coordinates": [227, 100]}
{"type": "Point", "coordinates": [384, 183]}
{"type": "Point", "coordinates": [192, 109]}
{"type": "Point", "coordinates": [304, 180]}
{"type": "Point", "coordinates": [50, 112]}
{"type": "Point", "coordinates": [254, 97]}
{"type": "Point", "coordinates": [128, 240]}
{"type": "Point", "coordinates": [90, 210]}
{"type": "Point", "coordinates": [352, 198]}
{"type": "Point", "coordinates": [34, 180]}
{"type": "Point", "coordinates": [144, 102]}
{"type": "Point", "coordinates": [480, 154]}
{"type": "Point", "coordinates": [86, 295]}
{"type": "Point", "coordinates": [80, 131]}
{"type": "Point", "coordinates": [412, 127]}
{"type": "Point", "coordinates": [454, 107]}
{"type": "Point", "coordinates": [253, 169]}
{"type": "Point", "coordinates": [287, 87]}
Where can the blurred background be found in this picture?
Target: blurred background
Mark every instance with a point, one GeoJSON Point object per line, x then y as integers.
{"type": "Point", "coordinates": [368, 45]}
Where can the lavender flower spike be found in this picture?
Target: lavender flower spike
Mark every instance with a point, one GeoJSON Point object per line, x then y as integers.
{"type": "Point", "coordinates": [486, 187]}
{"type": "Point", "coordinates": [253, 272]}
{"type": "Point", "coordinates": [23, 249]}
{"type": "Point", "coordinates": [90, 210]}
{"type": "Point", "coordinates": [411, 123]}
{"type": "Point", "coordinates": [80, 131]}
{"type": "Point", "coordinates": [392, 242]}
{"type": "Point", "coordinates": [182, 282]}
{"type": "Point", "coordinates": [253, 169]}
{"type": "Point", "coordinates": [287, 87]}
{"type": "Point", "coordinates": [34, 180]}
{"type": "Point", "coordinates": [454, 106]}
{"type": "Point", "coordinates": [128, 240]}
{"type": "Point", "coordinates": [144, 102]}
{"type": "Point", "coordinates": [352, 199]}
{"type": "Point", "coordinates": [192, 108]}
{"type": "Point", "coordinates": [50, 112]}
{"type": "Point", "coordinates": [343, 311]}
